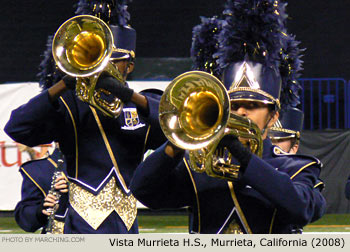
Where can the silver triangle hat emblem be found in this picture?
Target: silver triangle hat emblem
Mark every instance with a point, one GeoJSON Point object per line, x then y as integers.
{"type": "Point", "coordinates": [245, 78]}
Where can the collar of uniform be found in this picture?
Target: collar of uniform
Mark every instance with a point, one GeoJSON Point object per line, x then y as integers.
{"type": "Point", "coordinates": [55, 155]}
{"type": "Point", "coordinates": [278, 151]}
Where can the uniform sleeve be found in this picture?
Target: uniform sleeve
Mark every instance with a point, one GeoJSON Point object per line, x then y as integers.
{"type": "Point", "coordinates": [320, 205]}
{"type": "Point", "coordinates": [27, 211]}
{"type": "Point", "coordinates": [35, 122]}
{"type": "Point", "coordinates": [292, 194]}
{"type": "Point", "coordinates": [162, 182]}
{"type": "Point", "coordinates": [156, 137]}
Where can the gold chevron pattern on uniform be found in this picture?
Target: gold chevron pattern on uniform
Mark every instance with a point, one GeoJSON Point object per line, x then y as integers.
{"type": "Point", "coordinates": [233, 228]}
{"type": "Point", "coordinates": [57, 227]}
{"type": "Point", "coordinates": [94, 209]}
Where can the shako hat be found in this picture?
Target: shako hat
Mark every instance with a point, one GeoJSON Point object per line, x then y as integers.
{"type": "Point", "coordinates": [115, 14]}
{"type": "Point", "coordinates": [250, 43]}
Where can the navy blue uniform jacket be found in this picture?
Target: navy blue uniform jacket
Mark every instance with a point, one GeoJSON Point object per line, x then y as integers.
{"type": "Point", "coordinates": [347, 189]}
{"type": "Point", "coordinates": [73, 125]}
{"type": "Point", "coordinates": [37, 177]}
{"type": "Point", "coordinates": [320, 209]}
{"type": "Point", "coordinates": [274, 193]}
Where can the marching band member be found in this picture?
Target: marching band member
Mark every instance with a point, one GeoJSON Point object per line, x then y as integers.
{"type": "Point", "coordinates": [286, 135]}
{"type": "Point", "coordinates": [32, 211]}
{"type": "Point", "coordinates": [286, 132]}
{"type": "Point", "coordinates": [101, 152]}
{"type": "Point", "coordinates": [269, 194]}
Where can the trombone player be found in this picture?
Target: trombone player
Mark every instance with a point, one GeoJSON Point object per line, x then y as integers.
{"type": "Point", "coordinates": [236, 191]}
{"type": "Point", "coordinates": [102, 126]}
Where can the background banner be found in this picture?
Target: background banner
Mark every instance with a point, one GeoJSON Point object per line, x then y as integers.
{"type": "Point", "coordinates": [12, 96]}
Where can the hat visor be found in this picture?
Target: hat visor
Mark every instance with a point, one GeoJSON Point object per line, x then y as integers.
{"type": "Point", "coordinates": [279, 135]}
{"type": "Point", "coordinates": [119, 56]}
{"type": "Point", "coordinates": [251, 95]}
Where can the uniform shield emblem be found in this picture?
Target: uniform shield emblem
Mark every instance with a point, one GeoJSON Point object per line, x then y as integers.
{"type": "Point", "coordinates": [132, 120]}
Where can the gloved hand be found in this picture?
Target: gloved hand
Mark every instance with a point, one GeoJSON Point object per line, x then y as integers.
{"type": "Point", "coordinates": [39, 212]}
{"type": "Point", "coordinates": [236, 148]}
{"type": "Point", "coordinates": [114, 86]}
{"type": "Point", "coordinates": [69, 81]}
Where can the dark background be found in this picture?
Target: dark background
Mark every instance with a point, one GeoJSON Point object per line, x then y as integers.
{"type": "Point", "coordinates": [165, 29]}
{"type": "Point", "coordinates": [332, 147]}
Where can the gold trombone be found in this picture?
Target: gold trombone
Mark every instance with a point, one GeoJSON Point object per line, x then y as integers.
{"type": "Point", "coordinates": [195, 114]}
{"type": "Point", "coordinates": [81, 48]}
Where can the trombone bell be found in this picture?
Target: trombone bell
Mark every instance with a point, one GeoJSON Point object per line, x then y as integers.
{"type": "Point", "coordinates": [86, 51]}
{"type": "Point", "coordinates": [194, 114]}
{"type": "Point", "coordinates": [81, 48]}
{"type": "Point", "coordinates": [193, 110]}
{"type": "Point", "coordinates": [201, 114]}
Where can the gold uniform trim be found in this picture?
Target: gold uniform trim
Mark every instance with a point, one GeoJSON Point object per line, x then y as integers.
{"type": "Point", "coordinates": [284, 130]}
{"type": "Point", "coordinates": [108, 146]}
{"type": "Point", "coordinates": [318, 184]}
{"type": "Point", "coordinates": [302, 168]}
{"type": "Point", "coordinates": [52, 162]}
{"type": "Point", "coordinates": [238, 207]}
{"type": "Point", "coordinates": [145, 143]}
{"type": "Point", "coordinates": [75, 136]}
{"type": "Point", "coordinates": [55, 165]}
{"type": "Point", "coordinates": [124, 202]}
{"type": "Point", "coordinates": [272, 221]}
{"type": "Point", "coordinates": [196, 192]}
{"type": "Point", "coordinates": [57, 227]}
{"type": "Point", "coordinates": [95, 209]}
{"type": "Point", "coordinates": [30, 177]}
{"type": "Point", "coordinates": [293, 134]}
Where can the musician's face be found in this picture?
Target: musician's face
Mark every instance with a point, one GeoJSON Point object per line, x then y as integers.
{"type": "Point", "coordinates": [258, 112]}
{"type": "Point", "coordinates": [124, 66]}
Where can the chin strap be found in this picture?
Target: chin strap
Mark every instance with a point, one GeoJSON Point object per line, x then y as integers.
{"type": "Point", "coordinates": [267, 123]}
